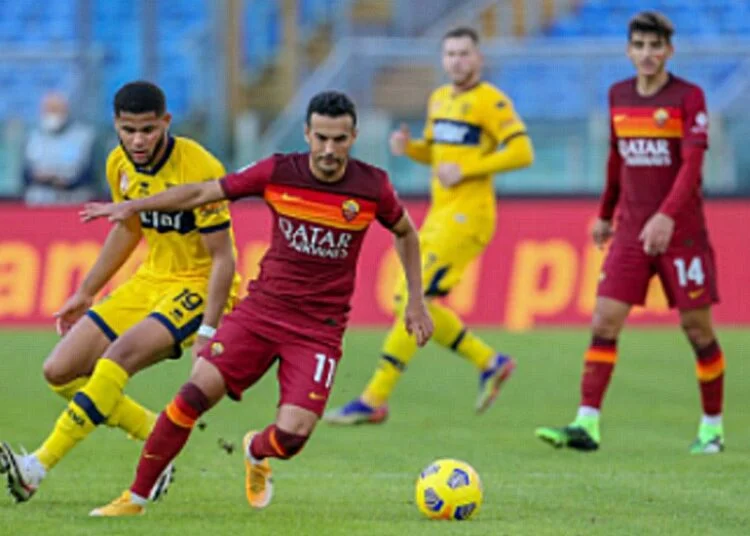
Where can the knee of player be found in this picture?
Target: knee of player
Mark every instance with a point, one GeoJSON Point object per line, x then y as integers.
{"type": "Point", "coordinates": [605, 326]}
{"type": "Point", "coordinates": [698, 331]}
{"type": "Point", "coordinates": [56, 373]}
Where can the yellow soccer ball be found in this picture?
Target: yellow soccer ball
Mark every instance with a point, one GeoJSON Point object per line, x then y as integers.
{"type": "Point", "coordinates": [449, 489]}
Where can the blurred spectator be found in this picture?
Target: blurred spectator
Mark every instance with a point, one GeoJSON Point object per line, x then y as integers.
{"type": "Point", "coordinates": [59, 157]}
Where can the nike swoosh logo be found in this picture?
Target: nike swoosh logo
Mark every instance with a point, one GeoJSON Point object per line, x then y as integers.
{"type": "Point", "coordinates": [694, 294]}
{"type": "Point", "coordinates": [316, 396]}
{"type": "Point", "coordinates": [147, 456]}
{"type": "Point", "coordinates": [619, 117]}
{"type": "Point", "coordinates": [287, 197]}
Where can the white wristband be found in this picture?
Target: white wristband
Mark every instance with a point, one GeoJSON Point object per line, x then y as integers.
{"type": "Point", "coordinates": [206, 331]}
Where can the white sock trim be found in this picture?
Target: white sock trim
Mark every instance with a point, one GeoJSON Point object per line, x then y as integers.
{"type": "Point", "coordinates": [711, 420]}
{"type": "Point", "coordinates": [137, 499]}
{"type": "Point", "coordinates": [249, 453]}
{"type": "Point", "coordinates": [587, 411]}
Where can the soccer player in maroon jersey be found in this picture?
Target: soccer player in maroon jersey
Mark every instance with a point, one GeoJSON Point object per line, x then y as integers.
{"type": "Point", "coordinates": [296, 311]}
{"type": "Point", "coordinates": [659, 134]}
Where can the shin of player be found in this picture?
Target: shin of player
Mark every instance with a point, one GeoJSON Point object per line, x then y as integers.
{"type": "Point", "coordinates": [296, 311]}
{"type": "Point", "coordinates": [472, 132]}
{"type": "Point", "coordinates": [659, 133]}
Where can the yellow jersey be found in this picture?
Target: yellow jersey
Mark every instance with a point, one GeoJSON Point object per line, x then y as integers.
{"type": "Point", "coordinates": [175, 247]}
{"type": "Point", "coordinates": [462, 129]}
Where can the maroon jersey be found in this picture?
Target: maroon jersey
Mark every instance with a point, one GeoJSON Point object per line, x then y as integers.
{"type": "Point", "coordinates": [651, 135]}
{"type": "Point", "coordinates": [307, 276]}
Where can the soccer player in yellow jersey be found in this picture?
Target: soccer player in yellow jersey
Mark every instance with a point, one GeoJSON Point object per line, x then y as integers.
{"type": "Point", "coordinates": [179, 292]}
{"type": "Point", "coordinates": [471, 132]}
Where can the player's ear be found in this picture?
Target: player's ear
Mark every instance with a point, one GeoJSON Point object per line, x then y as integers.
{"type": "Point", "coordinates": [355, 133]}
{"type": "Point", "coordinates": [306, 131]}
{"type": "Point", "coordinates": [166, 119]}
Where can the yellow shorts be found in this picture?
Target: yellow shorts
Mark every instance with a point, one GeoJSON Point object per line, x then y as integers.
{"type": "Point", "coordinates": [448, 246]}
{"type": "Point", "coordinates": [177, 304]}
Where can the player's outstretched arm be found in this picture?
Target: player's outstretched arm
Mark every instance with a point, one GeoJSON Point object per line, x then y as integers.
{"type": "Point", "coordinates": [120, 243]}
{"type": "Point", "coordinates": [417, 319]}
{"type": "Point", "coordinates": [185, 197]}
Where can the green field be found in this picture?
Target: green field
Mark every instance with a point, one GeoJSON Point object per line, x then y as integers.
{"type": "Point", "coordinates": [353, 481]}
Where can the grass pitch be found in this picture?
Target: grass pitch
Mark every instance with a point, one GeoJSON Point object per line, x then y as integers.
{"type": "Point", "coordinates": [360, 481]}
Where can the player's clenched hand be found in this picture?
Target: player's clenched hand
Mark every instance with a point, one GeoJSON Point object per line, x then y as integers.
{"type": "Point", "coordinates": [448, 174]}
{"type": "Point", "coordinates": [198, 345]}
{"type": "Point", "coordinates": [418, 321]}
{"type": "Point", "coordinates": [71, 311]}
{"type": "Point", "coordinates": [112, 211]}
{"type": "Point", "coordinates": [601, 232]}
{"type": "Point", "coordinates": [657, 233]}
{"type": "Point", "coordinates": [399, 140]}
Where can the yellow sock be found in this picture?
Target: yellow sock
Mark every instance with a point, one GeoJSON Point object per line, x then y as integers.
{"type": "Point", "coordinates": [451, 333]}
{"type": "Point", "coordinates": [128, 414]}
{"type": "Point", "coordinates": [88, 408]}
{"type": "Point", "coordinates": [135, 419]}
{"type": "Point", "coordinates": [398, 349]}
{"type": "Point", "coordinates": [67, 390]}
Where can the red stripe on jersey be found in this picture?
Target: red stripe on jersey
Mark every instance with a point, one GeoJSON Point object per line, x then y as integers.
{"type": "Point", "coordinates": [333, 210]}
{"type": "Point", "coordinates": [321, 196]}
{"type": "Point", "coordinates": [647, 122]}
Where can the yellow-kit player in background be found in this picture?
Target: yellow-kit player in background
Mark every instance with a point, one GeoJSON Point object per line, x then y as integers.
{"type": "Point", "coordinates": [471, 132]}
{"type": "Point", "coordinates": [179, 292]}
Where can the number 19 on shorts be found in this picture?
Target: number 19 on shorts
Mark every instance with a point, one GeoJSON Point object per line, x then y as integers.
{"type": "Point", "coordinates": [324, 362]}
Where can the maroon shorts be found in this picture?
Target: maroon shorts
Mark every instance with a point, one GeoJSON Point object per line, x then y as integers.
{"type": "Point", "coordinates": [687, 274]}
{"type": "Point", "coordinates": [246, 345]}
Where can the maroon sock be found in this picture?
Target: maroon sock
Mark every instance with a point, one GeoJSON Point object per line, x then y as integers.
{"type": "Point", "coordinates": [276, 443]}
{"type": "Point", "coordinates": [710, 371]}
{"type": "Point", "coordinates": [599, 362]}
{"type": "Point", "coordinates": [169, 435]}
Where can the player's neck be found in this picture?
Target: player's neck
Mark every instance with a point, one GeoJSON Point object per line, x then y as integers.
{"type": "Point", "coordinates": [648, 86]}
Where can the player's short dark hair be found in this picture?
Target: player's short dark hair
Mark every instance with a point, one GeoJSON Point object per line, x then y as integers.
{"type": "Point", "coordinates": [331, 104]}
{"type": "Point", "coordinates": [462, 31]}
{"type": "Point", "coordinates": [140, 97]}
{"type": "Point", "coordinates": [651, 22]}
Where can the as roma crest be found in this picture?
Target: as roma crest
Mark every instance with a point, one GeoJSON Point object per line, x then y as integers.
{"type": "Point", "coordinates": [350, 209]}
{"type": "Point", "coordinates": [660, 117]}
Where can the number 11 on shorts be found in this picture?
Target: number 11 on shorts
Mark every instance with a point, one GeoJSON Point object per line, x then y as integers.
{"type": "Point", "coordinates": [320, 369]}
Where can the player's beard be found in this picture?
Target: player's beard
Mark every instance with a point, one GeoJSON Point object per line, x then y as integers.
{"type": "Point", "coordinates": [330, 170]}
{"type": "Point", "coordinates": [151, 157]}
{"type": "Point", "coordinates": [466, 80]}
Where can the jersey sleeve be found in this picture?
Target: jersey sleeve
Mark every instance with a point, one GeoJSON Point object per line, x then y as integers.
{"type": "Point", "coordinates": [612, 132]}
{"type": "Point", "coordinates": [389, 210]}
{"type": "Point", "coordinates": [213, 216]}
{"type": "Point", "coordinates": [250, 180]}
{"type": "Point", "coordinates": [500, 119]}
{"type": "Point", "coordinates": [427, 134]}
{"type": "Point", "coordinates": [695, 124]}
{"type": "Point", "coordinates": [113, 177]}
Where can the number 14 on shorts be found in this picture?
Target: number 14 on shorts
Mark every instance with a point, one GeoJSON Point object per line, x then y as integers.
{"type": "Point", "coordinates": [692, 271]}
{"type": "Point", "coordinates": [688, 272]}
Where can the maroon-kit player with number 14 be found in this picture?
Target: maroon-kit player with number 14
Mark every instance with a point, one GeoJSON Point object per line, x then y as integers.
{"type": "Point", "coordinates": [659, 134]}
